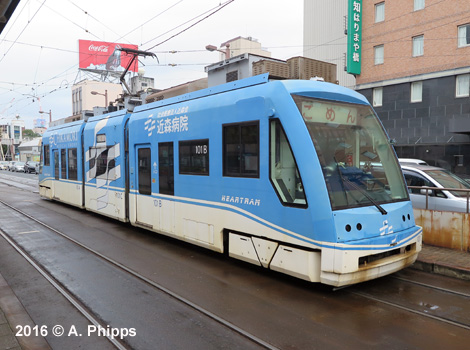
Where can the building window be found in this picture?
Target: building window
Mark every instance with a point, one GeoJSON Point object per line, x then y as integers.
{"type": "Point", "coordinates": [418, 45]}
{"type": "Point", "coordinates": [379, 54]}
{"type": "Point", "coordinates": [241, 150]}
{"type": "Point", "coordinates": [417, 91]}
{"type": "Point", "coordinates": [464, 35]}
{"type": "Point", "coordinates": [418, 5]}
{"type": "Point", "coordinates": [380, 12]}
{"type": "Point", "coordinates": [194, 157]}
{"type": "Point", "coordinates": [377, 97]}
{"type": "Point", "coordinates": [462, 85]}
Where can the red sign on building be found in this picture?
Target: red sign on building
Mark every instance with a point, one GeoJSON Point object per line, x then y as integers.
{"type": "Point", "coordinates": [100, 55]}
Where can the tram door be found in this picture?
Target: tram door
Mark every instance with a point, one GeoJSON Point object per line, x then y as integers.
{"type": "Point", "coordinates": [166, 172]}
{"type": "Point", "coordinates": [166, 186]}
{"type": "Point", "coordinates": [144, 202]}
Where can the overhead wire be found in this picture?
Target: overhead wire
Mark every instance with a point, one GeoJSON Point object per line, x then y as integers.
{"type": "Point", "coordinates": [218, 8]}
{"type": "Point", "coordinates": [24, 28]}
{"type": "Point", "coordinates": [149, 20]}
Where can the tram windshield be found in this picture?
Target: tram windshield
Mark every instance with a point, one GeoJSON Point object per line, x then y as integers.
{"type": "Point", "coordinates": [358, 162]}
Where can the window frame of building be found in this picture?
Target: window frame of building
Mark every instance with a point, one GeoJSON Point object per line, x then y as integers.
{"type": "Point", "coordinates": [419, 5]}
{"type": "Point", "coordinates": [238, 160]}
{"type": "Point", "coordinates": [416, 92]}
{"type": "Point", "coordinates": [379, 10]}
{"type": "Point", "coordinates": [462, 87]}
{"type": "Point", "coordinates": [418, 45]}
{"type": "Point", "coordinates": [463, 40]}
{"type": "Point", "coordinates": [377, 97]}
{"type": "Point", "coordinates": [379, 59]}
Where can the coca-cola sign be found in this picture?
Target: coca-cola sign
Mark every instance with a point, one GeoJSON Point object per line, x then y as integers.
{"type": "Point", "coordinates": [101, 48]}
{"type": "Point", "coordinates": [103, 56]}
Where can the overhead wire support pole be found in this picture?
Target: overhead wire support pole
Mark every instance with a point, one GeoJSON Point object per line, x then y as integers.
{"type": "Point", "coordinates": [135, 54]}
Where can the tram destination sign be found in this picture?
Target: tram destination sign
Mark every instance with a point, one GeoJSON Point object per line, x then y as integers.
{"type": "Point", "coordinates": [353, 61]}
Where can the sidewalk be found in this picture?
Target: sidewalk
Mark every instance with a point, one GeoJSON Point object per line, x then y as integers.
{"type": "Point", "coordinates": [13, 314]}
{"type": "Point", "coordinates": [444, 261]}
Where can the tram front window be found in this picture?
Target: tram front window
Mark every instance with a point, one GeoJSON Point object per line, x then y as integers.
{"type": "Point", "coordinates": [358, 162]}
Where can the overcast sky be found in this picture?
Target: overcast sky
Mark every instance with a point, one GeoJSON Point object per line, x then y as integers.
{"type": "Point", "coordinates": [39, 46]}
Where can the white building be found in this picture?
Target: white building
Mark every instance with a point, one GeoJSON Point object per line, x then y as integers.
{"type": "Point", "coordinates": [325, 23]}
{"type": "Point", "coordinates": [30, 150]}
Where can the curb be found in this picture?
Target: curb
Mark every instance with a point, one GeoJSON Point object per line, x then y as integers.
{"type": "Point", "coordinates": [442, 269]}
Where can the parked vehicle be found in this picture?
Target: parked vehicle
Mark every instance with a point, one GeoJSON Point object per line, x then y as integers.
{"type": "Point", "coordinates": [411, 161]}
{"type": "Point", "coordinates": [3, 165]}
{"type": "Point", "coordinates": [429, 176]}
{"type": "Point", "coordinates": [30, 167]}
{"type": "Point", "coordinates": [10, 165]}
{"type": "Point", "coordinates": [18, 167]}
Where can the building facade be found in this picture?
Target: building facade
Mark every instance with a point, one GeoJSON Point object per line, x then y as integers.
{"type": "Point", "coordinates": [324, 35]}
{"type": "Point", "coordinates": [84, 100]}
{"type": "Point", "coordinates": [416, 74]}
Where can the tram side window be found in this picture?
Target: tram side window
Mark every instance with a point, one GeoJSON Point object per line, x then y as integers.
{"type": "Point", "coordinates": [63, 163]}
{"type": "Point", "coordinates": [72, 163]}
{"type": "Point", "coordinates": [194, 157]}
{"type": "Point", "coordinates": [56, 164]}
{"type": "Point", "coordinates": [284, 173]}
{"type": "Point", "coordinates": [46, 155]}
{"type": "Point", "coordinates": [241, 150]}
{"type": "Point", "coordinates": [145, 181]}
{"type": "Point", "coordinates": [101, 162]}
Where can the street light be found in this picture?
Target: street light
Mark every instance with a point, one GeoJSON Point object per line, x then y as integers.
{"type": "Point", "coordinates": [214, 48]}
{"type": "Point", "coordinates": [105, 96]}
{"type": "Point", "coordinates": [50, 115]}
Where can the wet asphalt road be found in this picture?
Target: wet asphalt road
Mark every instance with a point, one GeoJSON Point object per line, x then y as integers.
{"type": "Point", "coordinates": [284, 312]}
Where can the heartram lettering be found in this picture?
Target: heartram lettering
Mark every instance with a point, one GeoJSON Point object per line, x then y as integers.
{"type": "Point", "coordinates": [241, 200]}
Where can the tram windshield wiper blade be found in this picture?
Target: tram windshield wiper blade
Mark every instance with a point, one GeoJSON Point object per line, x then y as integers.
{"type": "Point", "coordinates": [364, 192]}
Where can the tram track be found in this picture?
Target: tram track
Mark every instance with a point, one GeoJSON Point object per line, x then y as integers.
{"type": "Point", "coordinates": [88, 313]}
{"type": "Point", "coordinates": [409, 309]}
{"type": "Point", "coordinates": [441, 289]}
{"type": "Point", "coordinates": [355, 290]}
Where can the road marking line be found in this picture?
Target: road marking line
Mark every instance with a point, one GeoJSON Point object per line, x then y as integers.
{"type": "Point", "coordinates": [22, 233]}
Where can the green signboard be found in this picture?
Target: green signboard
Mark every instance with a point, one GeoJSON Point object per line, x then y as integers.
{"type": "Point", "coordinates": [353, 62]}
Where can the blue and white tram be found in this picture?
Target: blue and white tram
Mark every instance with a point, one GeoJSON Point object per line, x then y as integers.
{"type": "Point", "coordinates": [295, 176]}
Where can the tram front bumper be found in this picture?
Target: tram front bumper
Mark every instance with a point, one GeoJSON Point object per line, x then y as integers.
{"type": "Point", "coordinates": [342, 266]}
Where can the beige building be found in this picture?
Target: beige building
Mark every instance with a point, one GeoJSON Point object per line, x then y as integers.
{"type": "Point", "coordinates": [240, 45]}
{"type": "Point", "coordinates": [84, 100]}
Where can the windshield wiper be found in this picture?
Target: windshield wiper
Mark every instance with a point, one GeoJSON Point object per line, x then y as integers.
{"type": "Point", "coordinates": [364, 192]}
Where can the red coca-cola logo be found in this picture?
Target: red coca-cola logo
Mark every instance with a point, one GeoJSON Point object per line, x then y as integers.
{"type": "Point", "coordinates": [100, 48]}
